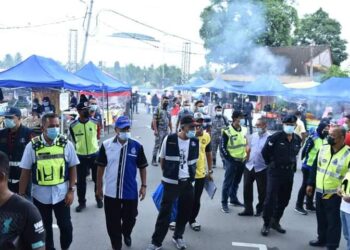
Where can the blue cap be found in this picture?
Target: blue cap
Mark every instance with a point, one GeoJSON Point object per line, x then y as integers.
{"type": "Point", "coordinates": [12, 111]}
{"type": "Point", "coordinates": [122, 122]}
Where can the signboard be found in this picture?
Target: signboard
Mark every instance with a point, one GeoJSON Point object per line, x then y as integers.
{"type": "Point", "coordinates": [64, 101]}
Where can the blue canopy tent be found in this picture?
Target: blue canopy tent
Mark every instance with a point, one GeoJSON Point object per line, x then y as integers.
{"type": "Point", "coordinates": [91, 73]}
{"type": "Point", "coordinates": [42, 72]}
{"type": "Point", "coordinates": [263, 86]}
{"type": "Point", "coordinates": [193, 84]}
{"type": "Point", "coordinates": [218, 85]}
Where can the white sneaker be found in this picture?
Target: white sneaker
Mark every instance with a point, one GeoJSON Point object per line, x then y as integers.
{"type": "Point", "coordinates": [179, 243]}
{"type": "Point", "coordinates": [172, 225]}
{"type": "Point", "coordinates": [196, 226]}
{"type": "Point", "coordinates": [153, 247]}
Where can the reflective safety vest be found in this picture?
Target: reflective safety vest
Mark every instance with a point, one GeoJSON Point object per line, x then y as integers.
{"type": "Point", "coordinates": [311, 156]}
{"type": "Point", "coordinates": [85, 137]}
{"type": "Point", "coordinates": [50, 167]}
{"type": "Point", "coordinates": [237, 142]}
{"type": "Point", "coordinates": [345, 185]}
{"type": "Point", "coordinates": [331, 169]}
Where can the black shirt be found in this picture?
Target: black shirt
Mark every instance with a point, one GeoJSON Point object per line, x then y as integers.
{"type": "Point", "coordinates": [280, 151]}
{"type": "Point", "coordinates": [21, 219]}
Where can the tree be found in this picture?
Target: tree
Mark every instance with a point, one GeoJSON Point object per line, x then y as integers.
{"type": "Point", "coordinates": [18, 58]}
{"type": "Point", "coordinates": [203, 72]}
{"type": "Point", "coordinates": [232, 29]}
{"type": "Point", "coordinates": [8, 61]}
{"type": "Point", "coordinates": [335, 71]}
{"type": "Point", "coordinates": [320, 29]}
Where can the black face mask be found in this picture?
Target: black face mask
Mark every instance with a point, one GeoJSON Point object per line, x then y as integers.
{"type": "Point", "coordinates": [165, 105]}
{"type": "Point", "coordinates": [330, 140]}
{"type": "Point", "coordinates": [324, 134]}
{"type": "Point", "coordinates": [85, 113]}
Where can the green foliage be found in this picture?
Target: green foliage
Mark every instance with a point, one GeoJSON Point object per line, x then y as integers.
{"type": "Point", "coordinates": [335, 71]}
{"type": "Point", "coordinates": [321, 29]}
{"type": "Point", "coordinates": [203, 72]}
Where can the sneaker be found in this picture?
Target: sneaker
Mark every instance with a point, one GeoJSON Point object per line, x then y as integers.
{"type": "Point", "coordinates": [99, 203]}
{"type": "Point", "coordinates": [179, 243]}
{"type": "Point", "coordinates": [236, 203]}
{"type": "Point", "coordinates": [300, 210]}
{"type": "Point", "coordinates": [80, 208]}
{"type": "Point", "coordinates": [153, 247]}
{"type": "Point", "coordinates": [311, 208]}
{"type": "Point", "coordinates": [196, 226]}
{"type": "Point", "coordinates": [172, 225]}
{"type": "Point", "coordinates": [225, 209]}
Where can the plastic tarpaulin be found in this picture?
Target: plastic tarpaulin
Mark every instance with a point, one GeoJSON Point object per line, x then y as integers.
{"type": "Point", "coordinates": [107, 82]}
{"type": "Point", "coordinates": [193, 84]}
{"type": "Point", "coordinates": [219, 85]}
{"type": "Point", "coordinates": [42, 72]}
{"type": "Point", "coordinates": [263, 86]}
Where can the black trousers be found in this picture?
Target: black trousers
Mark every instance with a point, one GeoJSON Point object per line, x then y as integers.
{"type": "Point", "coordinates": [302, 191]}
{"type": "Point", "coordinates": [249, 178]}
{"type": "Point", "coordinates": [86, 163]}
{"type": "Point", "coordinates": [198, 190]}
{"type": "Point", "coordinates": [248, 120]}
{"type": "Point", "coordinates": [328, 220]}
{"type": "Point", "coordinates": [184, 192]}
{"type": "Point", "coordinates": [62, 214]}
{"type": "Point", "coordinates": [120, 219]}
{"type": "Point", "coordinates": [278, 192]}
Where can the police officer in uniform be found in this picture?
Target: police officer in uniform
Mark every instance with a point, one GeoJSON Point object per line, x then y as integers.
{"type": "Point", "coordinates": [219, 122]}
{"type": "Point", "coordinates": [328, 171]}
{"type": "Point", "coordinates": [50, 160]}
{"type": "Point", "coordinates": [85, 135]}
{"type": "Point", "coordinates": [161, 124]}
{"type": "Point", "coordinates": [233, 149]}
{"type": "Point", "coordinates": [280, 154]}
{"type": "Point", "coordinates": [13, 140]}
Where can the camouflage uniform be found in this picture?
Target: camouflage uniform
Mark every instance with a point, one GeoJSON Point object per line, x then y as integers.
{"type": "Point", "coordinates": [163, 119]}
{"type": "Point", "coordinates": [218, 123]}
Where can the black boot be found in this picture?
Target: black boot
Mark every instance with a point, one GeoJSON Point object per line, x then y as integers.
{"type": "Point", "coordinates": [214, 163]}
{"type": "Point", "coordinates": [275, 224]}
{"type": "Point", "coordinates": [265, 230]}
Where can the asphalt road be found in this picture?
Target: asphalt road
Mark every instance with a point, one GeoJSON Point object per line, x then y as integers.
{"type": "Point", "coordinates": [219, 230]}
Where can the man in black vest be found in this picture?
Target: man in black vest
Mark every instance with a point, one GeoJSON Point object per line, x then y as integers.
{"type": "Point", "coordinates": [13, 140]}
{"type": "Point", "coordinates": [178, 158]}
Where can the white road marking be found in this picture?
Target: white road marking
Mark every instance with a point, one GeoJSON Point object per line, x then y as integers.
{"type": "Point", "coordinates": [251, 245]}
{"type": "Point", "coordinates": [54, 226]}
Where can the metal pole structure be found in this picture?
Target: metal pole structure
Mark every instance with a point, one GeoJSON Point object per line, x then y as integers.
{"type": "Point", "coordinates": [103, 113]}
{"type": "Point", "coordinates": [107, 113]}
{"type": "Point", "coordinates": [62, 116]}
{"type": "Point", "coordinates": [87, 32]}
{"type": "Point", "coordinates": [312, 60]}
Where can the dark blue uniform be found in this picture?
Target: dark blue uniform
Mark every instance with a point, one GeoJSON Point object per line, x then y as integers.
{"type": "Point", "coordinates": [280, 155]}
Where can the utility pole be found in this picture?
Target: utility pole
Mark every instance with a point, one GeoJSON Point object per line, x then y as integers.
{"type": "Point", "coordinates": [186, 61]}
{"type": "Point", "coordinates": [87, 32]}
{"type": "Point", "coordinates": [73, 50]}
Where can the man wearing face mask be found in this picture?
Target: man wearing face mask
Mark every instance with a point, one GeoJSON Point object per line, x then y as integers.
{"type": "Point", "coordinates": [13, 140]}
{"type": "Point", "coordinates": [47, 107]}
{"type": "Point", "coordinates": [328, 171]}
{"type": "Point", "coordinates": [233, 149]}
{"type": "Point", "coordinates": [219, 122]}
{"type": "Point", "coordinates": [347, 128]}
{"type": "Point", "coordinates": [178, 158]}
{"type": "Point", "coordinates": [120, 157]}
{"type": "Point", "coordinates": [199, 107]}
{"type": "Point", "coordinates": [255, 170]}
{"type": "Point", "coordinates": [161, 124]}
{"type": "Point", "coordinates": [50, 161]}
{"type": "Point", "coordinates": [248, 114]}
{"type": "Point", "coordinates": [85, 133]}
{"type": "Point", "coordinates": [95, 111]}
{"type": "Point", "coordinates": [309, 152]}
{"type": "Point", "coordinates": [186, 110]}
{"type": "Point", "coordinates": [280, 154]}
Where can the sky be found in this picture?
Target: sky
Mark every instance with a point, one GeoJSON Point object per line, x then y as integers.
{"type": "Point", "coordinates": [181, 17]}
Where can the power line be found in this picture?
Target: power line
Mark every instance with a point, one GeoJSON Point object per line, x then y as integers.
{"type": "Point", "coordinates": [147, 25]}
{"type": "Point", "coordinates": [29, 26]}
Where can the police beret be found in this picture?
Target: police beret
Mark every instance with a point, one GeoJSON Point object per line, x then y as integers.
{"type": "Point", "coordinates": [290, 119]}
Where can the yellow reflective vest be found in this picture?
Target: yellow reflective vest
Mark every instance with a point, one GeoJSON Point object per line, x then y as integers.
{"type": "Point", "coordinates": [50, 167]}
{"type": "Point", "coordinates": [237, 142]}
{"type": "Point", "coordinates": [331, 169]}
{"type": "Point", "coordinates": [85, 137]}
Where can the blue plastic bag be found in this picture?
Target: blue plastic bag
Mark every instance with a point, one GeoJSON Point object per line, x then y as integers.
{"type": "Point", "coordinates": [157, 199]}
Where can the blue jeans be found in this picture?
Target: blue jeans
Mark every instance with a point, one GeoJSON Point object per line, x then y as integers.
{"type": "Point", "coordinates": [233, 176]}
{"type": "Point", "coordinates": [345, 220]}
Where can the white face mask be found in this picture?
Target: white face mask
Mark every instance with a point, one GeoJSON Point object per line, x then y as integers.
{"type": "Point", "coordinates": [260, 131]}
{"type": "Point", "coordinates": [124, 136]}
{"type": "Point", "coordinates": [219, 113]}
{"type": "Point", "coordinates": [288, 129]}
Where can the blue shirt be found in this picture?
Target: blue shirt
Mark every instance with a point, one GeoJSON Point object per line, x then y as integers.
{"type": "Point", "coordinates": [256, 144]}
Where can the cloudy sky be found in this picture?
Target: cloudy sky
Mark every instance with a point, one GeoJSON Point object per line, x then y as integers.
{"type": "Point", "coordinates": [179, 17]}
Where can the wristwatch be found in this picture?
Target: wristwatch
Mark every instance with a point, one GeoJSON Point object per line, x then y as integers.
{"type": "Point", "coordinates": [71, 189]}
{"type": "Point", "coordinates": [143, 185]}
{"type": "Point", "coordinates": [211, 171]}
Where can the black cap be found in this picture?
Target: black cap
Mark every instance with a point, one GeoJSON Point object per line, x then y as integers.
{"type": "Point", "coordinates": [188, 120]}
{"type": "Point", "coordinates": [46, 99]}
{"type": "Point", "coordinates": [290, 119]}
{"type": "Point", "coordinates": [237, 114]}
{"type": "Point", "coordinates": [12, 111]}
{"type": "Point", "coordinates": [218, 107]}
{"type": "Point", "coordinates": [82, 105]}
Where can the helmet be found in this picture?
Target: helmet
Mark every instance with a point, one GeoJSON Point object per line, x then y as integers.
{"type": "Point", "coordinates": [345, 185]}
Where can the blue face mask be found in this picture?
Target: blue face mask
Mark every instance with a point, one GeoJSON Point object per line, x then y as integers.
{"type": "Point", "coordinates": [201, 109]}
{"type": "Point", "coordinates": [288, 129]}
{"type": "Point", "coordinates": [93, 107]}
{"type": "Point", "coordinates": [242, 122]}
{"type": "Point", "coordinates": [124, 136]}
{"type": "Point", "coordinates": [52, 133]}
{"type": "Point", "coordinates": [191, 134]}
{"type": "Point", "coordinates": [9, 123]}
{"type": "Point", "coordinates": [260, 131]}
